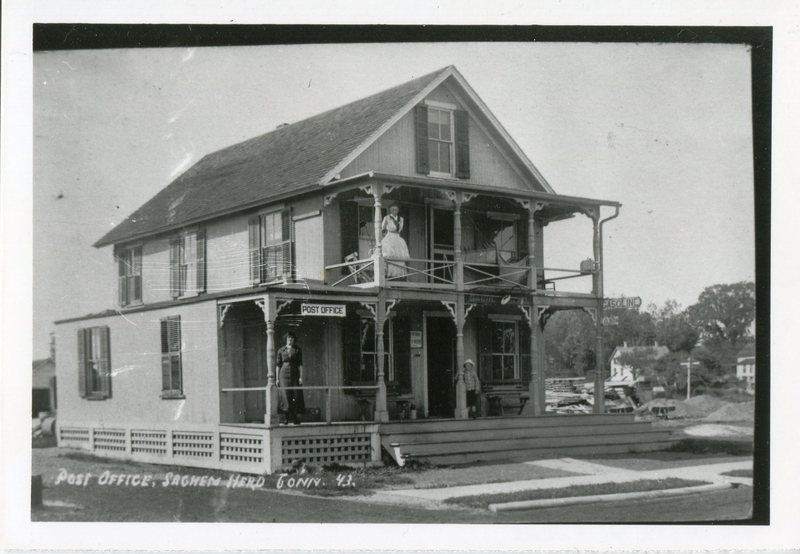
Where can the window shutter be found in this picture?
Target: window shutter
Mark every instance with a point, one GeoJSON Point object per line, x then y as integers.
{"type": "Point", "coordinates": [348, 229]}
{"type": "Point", "coordinates": [286, 247]}
{"type": "Point", "coordinates": [137, 275]}
{"type": "Point", "coordinates": [462, 144]}
{"type": "Point", "coordinates": [82, 363]}
{"type": "Point", "coordinates": [105, 362]}
{"type": "Point", "coordinates": [174, 269]}
{"type": "Point", "coordinates": [122, 281]}
{"type": "Point", "coordinates": [254, 249]}
{"type": "Point", "coordinates": [165, 359]}
{"type": "Point", "coordinates": [421, 138]}
{"type": "Point", "coordinates": [200, 245]}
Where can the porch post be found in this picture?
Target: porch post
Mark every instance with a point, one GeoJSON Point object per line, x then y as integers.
{"type": "Point", "coordinates": [533, 280]}
{"type": "Point", "coordinates": [458, 275]}
{"type": "Point", "coordinates": [597, 287]}
{"type": "Point", "coordinates": [381, 411]}
{"type": "Point", "coordinates": [377, 192]}
{"type": "Point", "coordinates": [461, 411]}
{"type": "Point", "coordinates": [271, 415]}
{"type": "Point", "coordinates": [536, 386]}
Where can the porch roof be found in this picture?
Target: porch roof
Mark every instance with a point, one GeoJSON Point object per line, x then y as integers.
{"type": "Point", "coordinates": [556, 205]}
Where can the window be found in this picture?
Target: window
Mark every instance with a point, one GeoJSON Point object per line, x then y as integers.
{"type": "Point", "coordinates": [129, 264]}
{"type": "Point", "coordinates": [504, 350]}
{"type": "Point", "coordinates": [489, 235]}
{"type": "Point", "coordinates": [187, 262]}
{"type": "Point", "coordinates": [171, 368]}
{"type": "Point", "coordinates": [442, 140]}
{"type": "Point", "coordinates": [362, 357]}
{"type": "Point", "coordinates": [94, 364]}
{"type": "Point", "coordinates": [270, 246]}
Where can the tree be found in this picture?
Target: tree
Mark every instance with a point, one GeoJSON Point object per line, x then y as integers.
{"type": "Point", "coordinates": [724, 313]}
{"type": "Point", "coordinates": [673, 328]}
{"type": "Point", "coordinates": [569, 338]}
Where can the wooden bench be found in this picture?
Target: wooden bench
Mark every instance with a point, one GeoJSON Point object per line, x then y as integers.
{"type": "Point", "coordinates": [502, 396]}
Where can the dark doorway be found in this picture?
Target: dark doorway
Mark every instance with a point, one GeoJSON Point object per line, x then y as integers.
{"type": "Point", "coordinates": [254, 364]}
{"type": "Point", "coordinates": [440, 361]}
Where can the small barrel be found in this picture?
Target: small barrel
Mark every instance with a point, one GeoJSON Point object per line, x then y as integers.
{"type": "Point", "coordinates": [49, 426]}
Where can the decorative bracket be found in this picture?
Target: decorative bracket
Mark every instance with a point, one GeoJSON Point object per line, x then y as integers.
{"type": "Point", "coordinates": [223, 310]}
{"type": "Point", "coordinates": [593, 313]}
{"type": "Point", "coordinates": [451, 307]}
{"type": "Point", "coordinates": [388, 188]}
{"type": "Point", "coordinates": [468, 196]}
{"type": "Point", "coordinates": [367, 189]}
{"type": "Point", "coordinates": [280, 305]}
{"type": "Point", "coordinates": [390, 304]}
{"type": "Point", "coordinates": [543, 313]}
{"type": "Point", "coordinates": [451, 195]}
{"type": "Point", "coordinates": [527, 311]}
{"type": "Point", "coordinates": [468, 309]}
{"type": "Point", "coordinates": [524, 202]}
{"type": "Point", "coordinates": [371, 307]}
{"type": "Point", "coordinates": [263, 305]}
{"type": "Point", "coordinates": [591, 213]}
{"type": "Point", "coordinates": [328, 200]}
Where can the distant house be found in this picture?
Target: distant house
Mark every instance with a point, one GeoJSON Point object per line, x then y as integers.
{"type": "Point", "coordinates": [44, 386]}
{"type": "Point", "coordinates": [625, 374]}
{"type": "Point", "coordinates": [746, 366]}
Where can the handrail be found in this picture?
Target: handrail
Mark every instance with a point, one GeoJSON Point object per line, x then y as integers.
{"type": "Point", "coordinates": [351, 263]}
{"type": "Point", "coordinates": [326, 388]}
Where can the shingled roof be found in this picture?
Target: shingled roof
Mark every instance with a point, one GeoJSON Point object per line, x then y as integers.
{"type": "Point", "coordinates": [285, 160]}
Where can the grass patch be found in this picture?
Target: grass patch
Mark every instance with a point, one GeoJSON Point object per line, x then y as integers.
{"type": "Point", "coordinates": [739, 473]}
{"type": "Point", "coordinates": [713, 446]}
{"type": "Point", "coordinates": [483, 500]}
{"type": "Point", "coordinates": [44, 441]}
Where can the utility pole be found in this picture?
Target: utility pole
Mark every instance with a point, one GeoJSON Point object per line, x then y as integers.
{"type": "Point", "coordinates": [689, 363]}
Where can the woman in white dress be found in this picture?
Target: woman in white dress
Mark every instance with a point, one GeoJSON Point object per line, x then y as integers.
{"type": "Point", "coordinates": [393, 245]}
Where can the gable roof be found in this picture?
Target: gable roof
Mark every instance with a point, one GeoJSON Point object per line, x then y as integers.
{"type": "Point", "coordinates": [289, 160]}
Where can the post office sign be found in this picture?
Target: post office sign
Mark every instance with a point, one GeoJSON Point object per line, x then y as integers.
{"type": "Point", "coordinates": [325, 310]}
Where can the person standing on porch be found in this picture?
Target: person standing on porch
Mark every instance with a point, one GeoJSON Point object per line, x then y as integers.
{"type": "Point", "coordinates": [473, 386]}
{"type": "Point", "coordinates": [393, 245]}
{"type": "Point", "coordinates": [290, 374]}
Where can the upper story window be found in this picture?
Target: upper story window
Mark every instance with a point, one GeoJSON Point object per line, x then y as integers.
{"type": "Point", "coordinates": [187, 264]}
{"type": "Point", "coordinates": [94, 363]}
{"type": "Point", "coordinates": [270, 246]}
{"type": "Point", "coordinates": [442, 140]}
{"type": "Point", "coordinates": [129, 264]}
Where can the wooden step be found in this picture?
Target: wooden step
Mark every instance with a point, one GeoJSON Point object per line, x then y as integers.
{"type": "Point", "coordinates": [437, 425]}
{"type": "Point", "coordinates": [535, 453]}
{"type": "Point", "coordinates": [505, 445]}
{"type": "Point", "coordinates": [514, 432]}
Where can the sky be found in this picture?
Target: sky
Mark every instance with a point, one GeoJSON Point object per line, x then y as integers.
{"type": "Point", "coordinates": [665, 129]}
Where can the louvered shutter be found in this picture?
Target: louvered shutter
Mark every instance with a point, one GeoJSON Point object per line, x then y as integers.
{"type": "Point", "coordinates": [174, 267]}
{"type": "Point", "coordinates": [200, 246]}
{"type": "Point", "coordinates": [82, 363]}
{"type": "Point", "coordinates": [421, 138]}
{"type": "Point", "coordinates": [286, 247]}
{"type": "Point", "coordinates": [105, 362]}
{"type": "Point", "coordinates": [137, 275]}
{"type": "Point", "coordinates": [462, 144]}
{"type": "Point", "coordinates": [122, 280]}
{"type": "Point", "coordinates": [254, 249]}
{"type": "Point", "coordinates": [165, 358]}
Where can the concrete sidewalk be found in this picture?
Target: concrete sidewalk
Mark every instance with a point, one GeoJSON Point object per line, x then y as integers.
{"type": "Point", "coordinates": [583, 473]}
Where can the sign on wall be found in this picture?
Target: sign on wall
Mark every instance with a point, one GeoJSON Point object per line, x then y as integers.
{"type": "Point", "coordinates": [328, 310]}
{"type": "Point", "coordinates": [416, 339]}
{"type": "Point", "coordinates": [629, 302]}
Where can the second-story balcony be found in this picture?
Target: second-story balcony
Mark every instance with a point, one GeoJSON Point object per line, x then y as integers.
{"type": "Point", "coordinates": [464, 238]}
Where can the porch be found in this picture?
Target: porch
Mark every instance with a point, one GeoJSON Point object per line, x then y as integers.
{"type": "Point", "coordinates": [259, 448]}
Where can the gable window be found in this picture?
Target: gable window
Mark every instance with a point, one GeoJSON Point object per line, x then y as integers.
{"type": "Point", "coordinates": [270, 246]}
{"type": "Point", "coordinates": [171, 366]}
{"type": "Point", "coordinates": [442, 140]}
{"type": "Point", "coordinates": [94, 363]}
{"type": "Point", "coordinates": [129, 264]}
{"type": "Point", "coordinates": [187, 263]}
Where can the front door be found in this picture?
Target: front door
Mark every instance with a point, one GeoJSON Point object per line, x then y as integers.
{"type": "Point", "coordinates": [255, 369]}
{"type": "Point", "coordinates": [440, 362]}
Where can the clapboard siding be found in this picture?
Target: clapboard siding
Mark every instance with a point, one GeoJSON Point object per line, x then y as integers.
{"type": "Point", "coordinates": [393, 153]}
